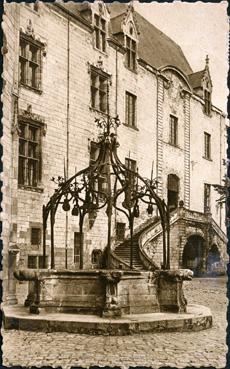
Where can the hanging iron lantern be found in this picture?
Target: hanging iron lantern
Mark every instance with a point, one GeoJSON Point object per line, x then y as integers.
{"type": "Point", "coordinates": [136, 211]}
{"type": "Point", "coordinates": [66, 205]}
{"type": "Point", "coordinates": [150, 209]}
{"type": "Point", "coordinates": [75, 211]}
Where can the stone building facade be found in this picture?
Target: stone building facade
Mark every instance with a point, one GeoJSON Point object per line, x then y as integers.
{"type": "Point", "coordinates": [66, 64]}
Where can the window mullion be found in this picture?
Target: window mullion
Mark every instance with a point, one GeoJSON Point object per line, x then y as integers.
{"type": "Point", "coordinates": [26, 154]}
{"type": "Point", "coordinates": [27, 65]}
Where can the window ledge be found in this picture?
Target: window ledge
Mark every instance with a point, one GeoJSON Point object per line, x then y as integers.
{"type": "Point", "coordinates": [98, 111]}
{"type": "Point", "coordinates": [176, 146]}
{"type": "Point", "coordinates": [132, 70]}
{"type": "Point", "coordinates": [209, 159]}
{"type": "Point", "coordinates": [105, 53]}
{"type": "Point", "coordinates": [30, 188]}
{"type": "Point", "coordinates": [37, 90]}
{"type": "Point", "coordinates": [132, 127]}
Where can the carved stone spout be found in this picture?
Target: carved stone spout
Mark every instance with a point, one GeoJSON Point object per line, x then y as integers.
{"type": "Point", "coordinates": [111, 280]}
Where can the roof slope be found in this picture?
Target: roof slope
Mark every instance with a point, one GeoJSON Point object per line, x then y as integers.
{"type": "Point", "coordinates": [155, 48]}
{"type": "Point", "coordinates": [196, 78]}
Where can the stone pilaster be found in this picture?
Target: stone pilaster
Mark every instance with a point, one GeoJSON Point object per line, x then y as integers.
{"type": "Point", "coordinates": [160, 102]}
{"type": "Point", "coordinates": [11, 298]}
{"type": "Point", "coordinates": [187, 150]}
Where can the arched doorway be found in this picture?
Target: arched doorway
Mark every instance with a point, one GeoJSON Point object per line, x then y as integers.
{"type": "Point", "coordinates": [193, 255]}
{"type": "Point", "coordinates": [173, 191]}
{"type": "Point", "coordinates": [213, 256]}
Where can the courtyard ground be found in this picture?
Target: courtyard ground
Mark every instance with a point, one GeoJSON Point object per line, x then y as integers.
{"type": "Point", "coordinates": [204, 348]}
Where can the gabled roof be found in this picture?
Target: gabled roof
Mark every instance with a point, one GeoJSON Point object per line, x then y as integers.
{"type": "Point", "coordinates": [116, 23]}
{"type": "Point", "coordinates": [195, 79]}
{"type": "Point", "coordinates": [154, 47]}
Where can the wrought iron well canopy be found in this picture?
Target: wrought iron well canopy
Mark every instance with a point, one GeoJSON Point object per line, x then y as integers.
{"type": "Point", "coordinates": [123, 189]}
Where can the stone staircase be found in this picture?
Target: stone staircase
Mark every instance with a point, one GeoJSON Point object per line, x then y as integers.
{"type": "Point", "coordinates": [147, 240]}
{"type": "Point", "coordinates": [123, 250]}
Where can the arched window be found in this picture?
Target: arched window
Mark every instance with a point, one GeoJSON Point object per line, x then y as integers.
{"type": "Point", "coordinates": [96, 258]}
{"type": "Point", "coordinates": [173, 191]}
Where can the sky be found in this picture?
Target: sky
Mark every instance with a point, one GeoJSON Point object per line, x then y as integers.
{"type": "Point", "coordinates": [200, 29]}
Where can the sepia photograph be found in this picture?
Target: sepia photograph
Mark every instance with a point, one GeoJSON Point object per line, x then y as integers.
{"type": "Point", "coordinates": [114, 184]}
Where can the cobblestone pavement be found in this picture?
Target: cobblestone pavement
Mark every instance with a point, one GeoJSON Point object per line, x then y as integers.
{"type": "Point", "coordinates": [205, 348]}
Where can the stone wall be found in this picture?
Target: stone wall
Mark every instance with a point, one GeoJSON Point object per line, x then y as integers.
{"type": "Point", "coordinates": [138, 294]}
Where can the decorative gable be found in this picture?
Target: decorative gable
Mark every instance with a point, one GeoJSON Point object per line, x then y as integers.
{"type": "Point", "coordinates": [129, 24]}
{"type": "Point", "coordinates": [206, 80]}
{"type": "Point", "coordinates": [99, 8]}
{"type": "Point", "coordinates": [100, 21]}
{"type": "Point", "coordinates": [202, 85]}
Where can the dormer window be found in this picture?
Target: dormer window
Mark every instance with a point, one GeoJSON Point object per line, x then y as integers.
{"type": "Point", "coordinates": [100, 32]}
{"type": "Point", "coordinates": [207, 102]}
{"type": "Point", "coordinates": [131, 53]}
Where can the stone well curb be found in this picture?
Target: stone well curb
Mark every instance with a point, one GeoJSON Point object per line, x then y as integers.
{"type": "Point", "coordinates": [197, 318]}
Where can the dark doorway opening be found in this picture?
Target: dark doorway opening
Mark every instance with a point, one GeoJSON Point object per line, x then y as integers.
{"type": "Point", "coordinates": [193, 255]}
{"type": "Point", "coordinates": [213, 257]}
{"type": "Point", "coordinates": [173, 191]}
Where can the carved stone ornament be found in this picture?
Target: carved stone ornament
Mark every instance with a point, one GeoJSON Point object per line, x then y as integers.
{"type": "Point", "coordinates": [29, 28]}
{"type": "Point", "coordinates": [178, 274]}
{"type": "Point", "coordinates": [98, 66]}
{"type": "Point", "coordinates": [100, 8]}
{"type": "Point", "coordinates": [30, 116]}
{"type": "Point", "coordinates": [111, 280]}
{"type": "Point", "coordinates": [182, 92]}
{"type": "Point", "coordinates": [167, 83]}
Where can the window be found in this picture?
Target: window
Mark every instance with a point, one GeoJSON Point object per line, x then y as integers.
{"type": "Point", "coordinates": [120, 231]}
{"type": "Point", "coordinates": [32, 261]}
{"type": "Point", "coordinates": [96, 258]}
{"type": "Point", "coordinates": [132, 165]}
{"type": "Point", "coordinates": [207, 145]}
{"type": "Point", "coordinates": [100, 33]}
{"type": "Point", "coordinates": [101, 183]}
{"type": "Point", "coordinates": [130, 109]}
{"type": "Point", "coordinates": [36, 262]}
{"type": "Point", "coordinates": [173, 133]}
{"type": "Point", "coordinates": [77, 240]}
{"type": "Point", "coordinates": [30, 62]}
{"type": "Point", "coordinates": [29, 167]}
{"type": "Point", "coordinates": [207, 197]}
{"type": "Point", "coordinates": [35, 236]}
{"type": "Point", "coordinates": [173, 191]}
{"type": "Point", "coordinates": [130, 53]}
{"type": "Point", "coordinates": [207, 102]}
{"type": "Point", "coordinates": [99, 91]}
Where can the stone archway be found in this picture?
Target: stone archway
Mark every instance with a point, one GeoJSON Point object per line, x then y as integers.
{"type": "Point", "coordinates": [194, 254]}
{"type": "Point", "coordinates": [173, 191]}
{"type": "Point", "coordinates": [213, 256]}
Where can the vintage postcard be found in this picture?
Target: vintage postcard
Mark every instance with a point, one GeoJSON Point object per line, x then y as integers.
{"type": "Point", "coordinates": [114, 184]}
